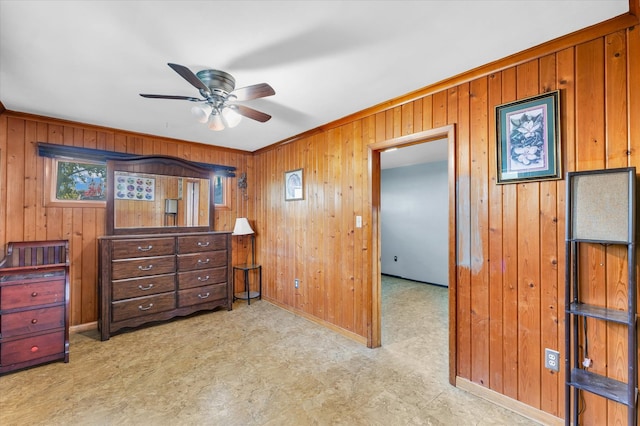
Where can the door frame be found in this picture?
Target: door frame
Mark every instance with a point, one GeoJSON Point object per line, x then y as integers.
{"type": "Point", "coordinates": [374, 337]}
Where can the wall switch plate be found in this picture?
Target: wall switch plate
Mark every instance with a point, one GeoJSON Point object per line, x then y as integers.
{"type": "Point", "coordinates": [296, 283]}
{"type": "Point", "coordinates": [551, 359]}
{"type": "Point", "coordinates": [358, 221]}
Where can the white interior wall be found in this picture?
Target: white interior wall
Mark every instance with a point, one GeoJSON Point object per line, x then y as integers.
{"type": "Point", "coordinates": [414, 222]}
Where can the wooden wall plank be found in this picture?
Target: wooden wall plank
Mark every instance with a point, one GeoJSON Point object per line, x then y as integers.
{"type": "Point", "coordinates": [459, 98]}
{"type": "Point", "coordinates": [15, 167]}
{"type": "Point", "coordinates": [495, 237]}
{"type": "Point", "coordinates": [4, 132]}
{"type": "Point", "coordinates": [31, 183]}
{"type": "Point", "coordinates": [510, 264]}
{"type": "Point", "coordinates": [551, 309]}
{"type": "Point", "coordinates": [591, 154]}
{"type": "Point", "coordinates": [615, 63]}
{"type": "Point", "coordinates": [565, 75]}
{"type": "Point", "coordinates": [528, 225]}
{"type": "Point", "coordinates": [479, 238]}
{"type": "Point", "coordinates": [347, 218]}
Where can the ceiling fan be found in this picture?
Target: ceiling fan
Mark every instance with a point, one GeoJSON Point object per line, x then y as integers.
{"type": "Point", "coordinates": [217, 105]}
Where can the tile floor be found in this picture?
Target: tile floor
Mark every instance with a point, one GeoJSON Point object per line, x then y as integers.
{"type": "Point", "coordinates": [257, 365]}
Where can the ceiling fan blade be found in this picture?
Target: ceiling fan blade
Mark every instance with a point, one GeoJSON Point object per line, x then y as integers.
{"type": "Point", "coordinates": [188, 75]}
{"type": "Point", "coordinates": [252, 113]}
{"type": "Point", "coordinates": [182, 98]}
{"type": "Point", "coordinates": [253, 92]}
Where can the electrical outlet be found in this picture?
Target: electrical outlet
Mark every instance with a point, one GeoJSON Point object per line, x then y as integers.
{"type": "Point", "coordinates": [551, 359]}
{"type": "Point", "coordinates": [296, 283]}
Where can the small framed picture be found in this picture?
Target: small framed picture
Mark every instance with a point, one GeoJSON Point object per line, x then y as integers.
{"type": "Point", "coordinates": [529, 139]}
{"type": "Point", "coordinates": [293, 185]}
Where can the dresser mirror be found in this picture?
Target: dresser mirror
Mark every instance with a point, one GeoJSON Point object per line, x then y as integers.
{"type": "Point", "coordinates": [158, 195]}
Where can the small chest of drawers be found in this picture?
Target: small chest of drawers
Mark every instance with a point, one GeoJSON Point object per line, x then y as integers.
{"type": "Point", "coordinates": [34, 304]}
{"type": "Point", "coordinates": [150, 278]}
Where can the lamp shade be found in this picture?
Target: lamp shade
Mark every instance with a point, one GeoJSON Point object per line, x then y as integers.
{"type": "Point", "coordinates": [215, 122]}
{"type": "Point", "coordinates": [242, 227]}
{"type": "Point", "coordinates": [231, 116]}
{"type": "Point", "coordinates": [202, 112]}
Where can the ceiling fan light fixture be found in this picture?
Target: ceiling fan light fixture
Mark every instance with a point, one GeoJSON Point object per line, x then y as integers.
{"type": "Point", "coordinates": [231, 116]}
{"type": "Point", "coordinates": [201, 112]}
{"type": "Point", "coordinates": [215, 122]}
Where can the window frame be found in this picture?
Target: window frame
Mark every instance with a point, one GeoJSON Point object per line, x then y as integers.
{"type": "Point", "coordinates": [51, 180]}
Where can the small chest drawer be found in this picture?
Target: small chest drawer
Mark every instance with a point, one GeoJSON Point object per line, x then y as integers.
{"type": "Point", "coordinates": [141, 306]}
{"type": "Point", "coordinates": [205, 260]}
{"type": "Point", "coordinates": [123, 249]}
{"type": "Point", "coordinates": [139, 287]}
{"type": "Point", "coordinates": [203, 242]}
{"type": "Point", "coordinates": [194, 296]}
{"type": "Point", "coordinates": [201, 277]}
{"type": "Point", "coordinates": [32, 294]}
{"type": "Point", "coordinates": [31, 321]}
{"type": "Point", "coordinates": [31, 348]}
{"type": "Point", "coordinates": [142, 267]}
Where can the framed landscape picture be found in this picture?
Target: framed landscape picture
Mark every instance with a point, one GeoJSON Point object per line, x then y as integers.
{"type": "Point", "coordinates": [528, 139]}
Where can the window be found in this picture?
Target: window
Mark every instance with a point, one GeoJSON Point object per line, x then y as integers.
{"type": "Point", "coordinates": [220, 191]}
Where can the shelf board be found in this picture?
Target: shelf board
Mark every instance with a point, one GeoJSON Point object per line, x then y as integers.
{"type": "Point", "coordinates": [243, 295]}
{"type": "Point", "coordinates": [599, 312]}
{"type": "Point", "coordinates": [606, 387]}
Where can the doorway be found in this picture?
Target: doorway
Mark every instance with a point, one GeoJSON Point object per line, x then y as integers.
{"type": "Point", "coordinates": [375, 149]}
{"type": "Point", "coordinates": [193, 203]}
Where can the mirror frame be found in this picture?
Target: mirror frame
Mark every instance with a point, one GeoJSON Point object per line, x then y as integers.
{"type": "Point", "coordinates": [158, 165]}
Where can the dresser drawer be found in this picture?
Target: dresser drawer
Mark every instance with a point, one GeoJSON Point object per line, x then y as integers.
{"type": "Point", "coordinates": [31, 348]}
{"type": "Point", "coordinates": [142, 306]}
{"type": "Point", "coordinates": [203, 242]}
{"type": "Point", "coordinates": [205, 260]}
{"type": "Point", "coordinates": [194, 296]}
{"type": "Point", "coordinates": [32, 294]}
{"type": "Point", "coordinates": [31, 321]}
{"type": "Point", "coordinates": [201, 277]}
{"type": "Point", "coordinates": [139, 287]}
{"type": "Point", "coordinates": [122, 269]}
{"type": "Point", "coordinates": [123, 249]}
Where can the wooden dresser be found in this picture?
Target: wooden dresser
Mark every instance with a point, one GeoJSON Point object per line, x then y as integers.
{"type": "Point", "coordinates": [34, 304]}
{"type": "Point", "coordinates": [155, 277]}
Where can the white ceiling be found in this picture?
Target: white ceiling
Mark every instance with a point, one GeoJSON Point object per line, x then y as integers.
{"type": "Point", "coordinates": [87, 61]}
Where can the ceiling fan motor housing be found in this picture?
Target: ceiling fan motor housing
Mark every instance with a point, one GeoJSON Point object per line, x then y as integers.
{"type": "Point", "coordinates": [217, 81]}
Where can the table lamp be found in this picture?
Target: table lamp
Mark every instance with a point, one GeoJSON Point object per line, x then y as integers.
{"type": "Point", "coordinates": [242, 227]}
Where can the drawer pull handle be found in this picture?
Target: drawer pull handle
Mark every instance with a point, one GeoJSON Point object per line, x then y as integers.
{"type": "Point", "coordinates": [143, 308]}
{"type": "Point", "coordinates": [203, 244]}
{"type": "Point", "coordinates": [34, 294]}
{"type": "Point", "coordinates": [34, 349]}
{"type": "Point", "coordinates": [149, 287]}
{"type": "Point", "coordinates": [34, 321]}
{"type": "Point", "coordinates": [145, 268]}
{"type": "Point", "coordinates": [203, 279]}
{"type": "Point", "coordinates": [203, 296]}
{"type": "Point", "coordinates": [147, 248]}
{"type": "Point", "coordinates": [203, 262]}
{"type": "Point", "coordinates": [48, 275]}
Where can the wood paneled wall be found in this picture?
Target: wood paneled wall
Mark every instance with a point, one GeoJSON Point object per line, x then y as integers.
{"type": "Point", "coordinates": [509, 280]}
{"type": "Point", "coordinates": [24, 216]}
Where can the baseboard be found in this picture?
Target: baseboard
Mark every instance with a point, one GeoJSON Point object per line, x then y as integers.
{"type": "Point", "coordinates": [509, 403]}
{"type": "Point", "coordinates": [83, 327]}
{"type": "Point", "coordinates": [415, 281]}
{"type": "Point", "coordinates": [333, 327]}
